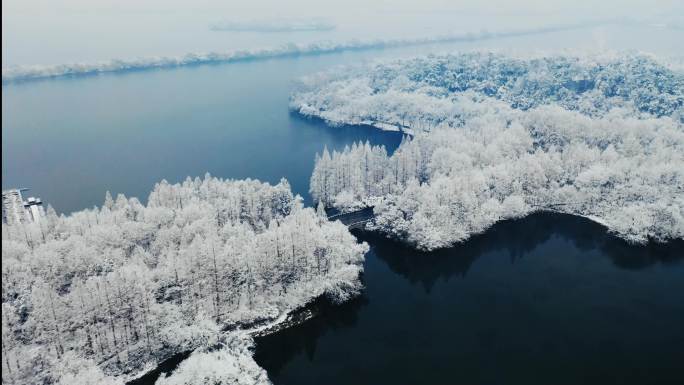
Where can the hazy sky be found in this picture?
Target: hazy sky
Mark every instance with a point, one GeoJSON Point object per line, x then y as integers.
{"type": "Point", "coordinates": [337, 7]}
{"type": "Point", "coordinates": [64, 31]}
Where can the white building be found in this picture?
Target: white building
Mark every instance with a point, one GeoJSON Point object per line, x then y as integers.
{"type": "Point", "coordinates": [16, 210]}
{"type": "Point", "coordinates": [34, 209]}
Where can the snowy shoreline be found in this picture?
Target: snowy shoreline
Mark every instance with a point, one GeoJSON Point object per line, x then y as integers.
{"type": "Point", "coordinates": [405, 130]}
{"type": "Point", "coordinates": [595, 219]}
{"type": "Point", "coordinates": [301, 315]}
{"type": "Point", "coordinates": [497, 137]}
{"type": "Point", "coordinates": [206, 265]}
{"type": "Point", "coordinates": [288, 319]}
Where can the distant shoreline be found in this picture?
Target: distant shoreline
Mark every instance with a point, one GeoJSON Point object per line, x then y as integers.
{"type": "Point", "coordinates": [23, 73]}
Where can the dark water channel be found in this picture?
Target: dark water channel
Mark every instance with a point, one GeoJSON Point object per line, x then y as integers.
{"type": "Point", "coordinates": [549, 299]}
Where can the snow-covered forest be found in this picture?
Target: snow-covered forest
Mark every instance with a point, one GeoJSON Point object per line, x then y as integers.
{"type": "Point", "coordinates": [422, 93]}
{"type": "Point", "coordinates": [499, 137]}
{"type": "Point", "coordinates": [103, 294]}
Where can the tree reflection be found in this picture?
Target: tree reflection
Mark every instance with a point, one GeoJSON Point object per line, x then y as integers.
{"type": "Point", "coordinates": [274, 351]}
{"type": "Point", "coordinates": [517, 238]}
{"type": "Point", "coordinates": [514, 238]}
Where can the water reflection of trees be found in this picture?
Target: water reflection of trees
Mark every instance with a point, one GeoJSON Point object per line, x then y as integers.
{"type": "Point", "coordinates": [517, 238]}
{"type": "Point", "coordinates": [274, 351]}
{"type": "Point", "coordinates": [347, 133]}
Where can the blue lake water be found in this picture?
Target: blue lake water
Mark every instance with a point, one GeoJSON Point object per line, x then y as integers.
{"type": "Point", "coordinates": [72, 139]}
{"type": "Point", "coordinates": [548, 300]}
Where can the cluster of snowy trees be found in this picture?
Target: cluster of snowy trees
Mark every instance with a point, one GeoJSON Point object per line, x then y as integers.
{"type": "Point", "coordinates": [441, 187]}
{"type": "Point", "coordinates": [422, 93]}
{"type": "Point", "coordinates": [486, 158]}
{"type": "Point", "coordinates": [102, 294]}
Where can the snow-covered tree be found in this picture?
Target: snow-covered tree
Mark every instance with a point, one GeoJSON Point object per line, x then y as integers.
{"type": "Point", "coordinates": [499, 137]}
{"type": "Point", "coordinates": [116, 288]}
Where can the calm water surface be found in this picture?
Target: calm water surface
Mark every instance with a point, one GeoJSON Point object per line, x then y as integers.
{"type": "Point", "coordinates": [550, 299]}
{"type": "Point", "coordinates": [72, 139]}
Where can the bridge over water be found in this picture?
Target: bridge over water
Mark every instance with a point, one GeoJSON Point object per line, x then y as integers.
{"type": "Point", "coordinates": [355, 219]}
